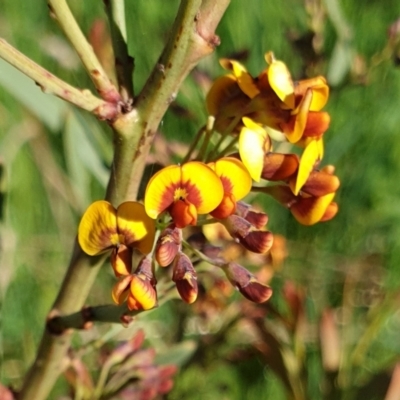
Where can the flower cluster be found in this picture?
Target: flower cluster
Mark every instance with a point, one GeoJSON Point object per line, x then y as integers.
{"type": "Point", "coordinates": [272, 108]}
{"type": "Point", "coordinates": [250, 117]}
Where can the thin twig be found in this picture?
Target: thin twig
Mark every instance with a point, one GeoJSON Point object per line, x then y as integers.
{"type": "Point", "coordinates": [51, 84]}
{"type": "Point", "coordinates": [68, 24]}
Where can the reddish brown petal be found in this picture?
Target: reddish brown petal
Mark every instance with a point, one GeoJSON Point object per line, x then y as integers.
{"type": "Point", "coordinates": [321, 183]}
{"type": "Point", "coordinates": [317, 124]}
{"type": "Point", "coordinates": [226, 208]}
{"type": "Point", "coordinates": [279, 167]}
{"type": "Point", "coordinates": [183, 214]}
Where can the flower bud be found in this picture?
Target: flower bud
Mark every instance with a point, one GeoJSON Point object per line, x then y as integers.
{"type": "Point", "coordinates": [168, 245]}
{"type": "Point", "coordinates": [185, 278]}
{"type": "Point", "coordinates": [252, 240]}
{"type": "Point", "coordinates": [257, 241]}
{"type": "Point", "coordinates": [247, 283]}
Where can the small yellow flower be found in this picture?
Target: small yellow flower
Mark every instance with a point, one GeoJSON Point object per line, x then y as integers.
{"type": "Point", "coordinates": [184, 191]}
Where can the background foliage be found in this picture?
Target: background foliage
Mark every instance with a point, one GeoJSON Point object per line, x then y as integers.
{"type": "Point", "coordinates": [55, 160]}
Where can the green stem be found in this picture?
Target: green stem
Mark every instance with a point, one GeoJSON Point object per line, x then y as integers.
{"type": "Point", "coordinates": [49, 83]}
{"type": "Point", "coordinates": [81, 320]}
{"type": "Point", "coordinates": [68, 24]}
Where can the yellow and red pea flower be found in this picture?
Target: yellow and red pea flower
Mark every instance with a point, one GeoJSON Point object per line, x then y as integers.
{"type": "Point", "coordinates": [185, 191]}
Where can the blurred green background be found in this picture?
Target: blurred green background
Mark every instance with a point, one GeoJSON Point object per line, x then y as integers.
{"type": "Point", "coordinates": [55, 161]}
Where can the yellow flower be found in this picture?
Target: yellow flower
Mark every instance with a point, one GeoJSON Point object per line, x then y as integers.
{"type": "Point", "coordinates": [184, 191]}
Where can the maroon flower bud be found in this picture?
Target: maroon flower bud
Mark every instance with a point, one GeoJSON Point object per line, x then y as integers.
{"type": "Point", "coordinates": [257, 219]}
{"type": "Point", "coordinates": [252, 240]}
{"type": "Point", "coordinates": [258, 241]}
{"type": "Point", "coordinates": [185, 278]}
{"type": "Point", "coordinates": [168, 245]}
{"type": "Point", "coordinates": [247, 283]}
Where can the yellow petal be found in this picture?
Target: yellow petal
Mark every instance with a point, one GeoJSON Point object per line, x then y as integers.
{"type": "Point", "coordinates": [135, 227]}
{"type": "Point", "coordinates": [307, 162]}
{"type": "Point", "coordinates": [252, 147]}
{"type": "Point", "coordinates": [310, 210]}
{"type": "Point", "coordinates": [97, 230]}
{"type": "Point", "coordinates": [281, 82]}
{"type": "Point", "coordinates": [120, 290]}
{"type": "Point", "coordinates": [300, 121]}
{"type": "Point", "coordinates": [142, 295]}
{"type": "Point", "coordinates": [121, 260]}
{"type": "Point", "coordinates": [244, 79]}
{"type": "Point", "coordinates": [234, 174]}
{"type": "Point", "coordinates": [161, 189]}
{"type": "Point", "coordinates": [319, 88]}
{"type": "Point", "coordinates": [203, 186]}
